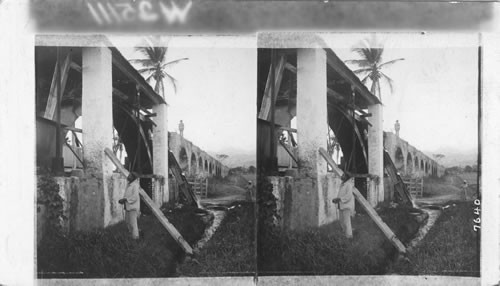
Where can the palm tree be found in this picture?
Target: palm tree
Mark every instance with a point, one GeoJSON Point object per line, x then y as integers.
{"type": "Point", "coordinates": [155, 64]}
{"type": "Point", "coordinates": [371, 64]}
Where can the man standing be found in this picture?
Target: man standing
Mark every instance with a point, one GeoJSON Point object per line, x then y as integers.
{"type": "Point", "coordinates": [345, 202]}
{"type": "Point", "coordinates": [465, 185]}
{"type": "Point", "coordinates": [131, 202]}
{"type": "Point", "coordinates": [397, 127]}
{"type": "Point", "coordinates": [181, 128]}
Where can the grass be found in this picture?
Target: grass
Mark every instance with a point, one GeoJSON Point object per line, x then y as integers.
{"type": "Point", "coordinates": [442, 186]}
{"type": "Point", "coordinates": [110, 253]}
{"type": "Point", "coordinates": [231, 250]}
{"type": "Point", "coordinates": [450, 247]}
{"type": "Point", "coordinates": [325, 250]}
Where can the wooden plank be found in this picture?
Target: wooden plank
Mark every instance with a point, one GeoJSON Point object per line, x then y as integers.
{"type": "Point", "coordinates": [74, 153]}
{"type": "Point", "coordinates": [176, 170]}
{"type": "Point", "coordinates": [154, 208]}
{"type": "Point", "coordinates": [366, 205]}
{"type": "Point", "coordinates": [397, 181]}
{"type": "Point", "coordinates": [73, 129]}
{"type": "Point", "coordinates": [266, 101]}
{"type": "Point", "coordinates": [356, 130]}
{"type": "Point", "coordinates": [290, 67]}
{"type": "Point", "coordinates": [379, 222]}
{"type": "Point", "coordinates": [62, 76]}
{"type": "Point", "coordinates": [75, 66]}
{"type": "Point", "coordinates": [289, 152]}
{"type": "Point", "coordinates": [287, 129]}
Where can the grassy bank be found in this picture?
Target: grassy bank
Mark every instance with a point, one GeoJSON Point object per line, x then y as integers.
{"type": "Point", "coordinates": [231, 250]}
{"type": "Point", "coordinates": [325, 251]}
{"type": "Point", "coordinates": [450, 247]}
{"type": "Point", "coordinates": [110, 253]}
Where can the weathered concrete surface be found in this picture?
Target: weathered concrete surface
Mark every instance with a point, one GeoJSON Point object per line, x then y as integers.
{"type": "Point", "coordinates": [299, 206]}
{"type": "Point", "coordinates": [160, 152]}
{"type": "Point", "coordinates": [193, 160]}
{"type": "Point", "coordinates": [376, 155]}
{"type": "Point", "coordinates": [409, 160]}
{"type": "Point", "coordinates": [97, 103]}
{"type": "Point", "coordinates": [311, 111]}
{"type": "Point", "coordinates": [97, 125]}
{"type": "Point", "coordinates": [84, 205]}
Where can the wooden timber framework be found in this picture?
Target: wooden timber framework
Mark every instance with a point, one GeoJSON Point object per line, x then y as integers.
{"type": "Point", "coordinates": [347, 100]}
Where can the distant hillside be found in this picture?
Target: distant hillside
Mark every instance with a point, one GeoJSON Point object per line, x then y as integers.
{"type": "Point", "coordinates": [456, 157]}
{"type": "Point", "coordinates": [237, 158]}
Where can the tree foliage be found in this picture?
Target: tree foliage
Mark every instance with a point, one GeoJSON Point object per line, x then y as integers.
{"type": "Point", "coordinates": [155, 63]}
{"type": "Point", "coordinates": [371, 65]}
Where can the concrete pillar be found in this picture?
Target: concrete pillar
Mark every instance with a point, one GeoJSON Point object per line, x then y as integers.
{"type": "Point", "coordinates": [97, 110]}
{"type": "Point", "coordinates": [311, 135]}
{"type": "Point", "coordinates": [376, 154]}
{"type": "Point", "coordinates": [311, 110]}
{"type": "Point", "coordinates": [160, 151]}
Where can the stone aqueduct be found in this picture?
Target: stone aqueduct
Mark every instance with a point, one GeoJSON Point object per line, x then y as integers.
{"type": "Point", "coordinates": [194, 161]}
{"type": "Point", "coordinates": [409, 160]}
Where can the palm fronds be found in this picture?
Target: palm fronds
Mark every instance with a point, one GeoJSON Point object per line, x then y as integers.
{"type": "Point", "coordinates": [370, 64]}
{"type": "Point", "coordinates": [155, 64]}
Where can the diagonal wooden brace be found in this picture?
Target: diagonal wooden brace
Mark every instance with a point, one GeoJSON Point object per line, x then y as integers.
{"type": "Point", "coordinates": [156, 211]}
{"type": "Point", "coordinates": [368, 208]}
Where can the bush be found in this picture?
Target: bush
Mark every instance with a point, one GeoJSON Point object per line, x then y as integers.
{"type": "Point", "coordinates": [48, 195]}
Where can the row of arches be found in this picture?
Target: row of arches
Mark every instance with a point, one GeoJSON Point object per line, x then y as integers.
{"type": "Point", "coordinates": [193, 164]}
{"type": "Point", "coordinates": [412, 164]}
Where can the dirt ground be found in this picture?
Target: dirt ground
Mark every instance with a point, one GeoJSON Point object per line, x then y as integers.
{"type": "Point", "coordinates": [451, 247]}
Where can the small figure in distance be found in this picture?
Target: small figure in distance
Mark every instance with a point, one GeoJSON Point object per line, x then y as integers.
{"type": "Point", "coordinates": [181, 128]}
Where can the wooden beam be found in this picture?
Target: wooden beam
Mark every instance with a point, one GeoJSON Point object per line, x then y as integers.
{"type": "Point", "coordinates": [73, 129]}
{"type": "Point", "coordinates": [74, 153]}
{"type": "Point", "coordinates": [75, 66]}
{"type": "Point", "coordinates": [356, 130]}
{"type": "Point", "coordinates": [290, 67]}
{"type": "Point", "coordinates": [176, 170]}
{"type": "Point", "coordinates": [287, 129]}
{"type": "Point", "coordinates": [156, 211]}
{"type": "Point", "coordinates": [386, 230]}
{"type": "Point", "coordinates": [335, 63]}
{"type": "Point", "coordinates": [289, 152]}
{"type": "Point", "coordinates": [62, 76]}
{"type": "Point", "coordinates": [339, 97]}
{"type": "Point", "coordinates": [396, 180]}
{"type": "Point", "coordinates": [266, 101]}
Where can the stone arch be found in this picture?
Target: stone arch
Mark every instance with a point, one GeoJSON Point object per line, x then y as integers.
{"type": "Point", "coordinates": [183, 160]}
{"type": "Point", "coordinates": [422, 168]}
{"type": "Point", "coordinates": [416, 164]}
{"type": "Point", "coordinates": [206, 166]}
{"type": "Point", "coordinates": [409, 164]}
{"type": "Point", "coordinates": [399, 161]}
{"type": "Point", "coordinates": [193, 164]}
{"type": "Point", "coordinates": [200, 164]}
{"type": "Point", "coordinates": [210, 168]}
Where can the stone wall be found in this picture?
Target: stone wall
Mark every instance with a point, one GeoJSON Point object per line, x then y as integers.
{"type": "Point", "coordinates": [414, 162]}
{"type": "Point", "coordinates": [210, 166]}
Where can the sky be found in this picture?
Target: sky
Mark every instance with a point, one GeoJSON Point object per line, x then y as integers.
{"type": "Point", "coordinates": [216, 88]}
{"type": "Point", "coordinates": [435, 94]}
{"type": "Point", "coordinates": [435, 88]}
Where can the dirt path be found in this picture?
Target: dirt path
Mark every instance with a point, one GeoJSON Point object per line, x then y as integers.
{"type": "Point", "coordinates": [438, 200]}
{"type": "Point", "coordinates": [225, 195]}
{"type": "Point", "coordinates": [218, 205]}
